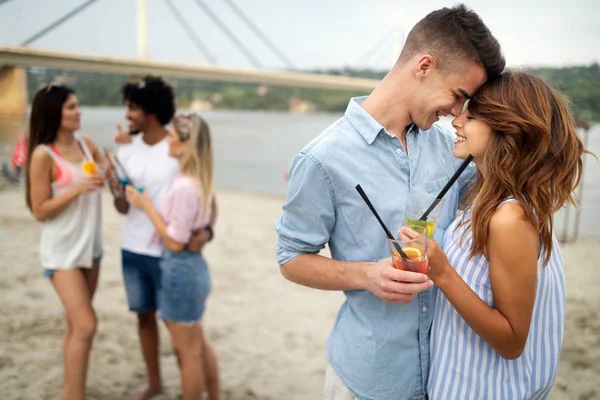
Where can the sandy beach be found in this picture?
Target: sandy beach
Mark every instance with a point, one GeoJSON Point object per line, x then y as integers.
{"type": "Point", "coordinates": [269, 334]}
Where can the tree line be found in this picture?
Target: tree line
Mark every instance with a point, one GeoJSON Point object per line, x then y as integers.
{"type": "Point", "coordinates": [579, 84]}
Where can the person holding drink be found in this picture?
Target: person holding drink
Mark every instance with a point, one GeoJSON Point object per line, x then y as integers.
{"type": "Point", "coordinates": [389, 143]}
{"type": "Point", "coordinates": [64, 173]}
{"type": "Point", "coordinates": [185, 277]}
{"type": "Point", "coordinates": [500, 304]}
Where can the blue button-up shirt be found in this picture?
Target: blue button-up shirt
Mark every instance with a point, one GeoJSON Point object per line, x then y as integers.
{"type": "Point", "coordinates": [380, 350]}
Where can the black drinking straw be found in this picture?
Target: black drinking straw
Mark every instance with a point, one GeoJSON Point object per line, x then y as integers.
{"type": "Point", "coordinates": [109, 157]}
{"type": "Point", "coordinates": [447, 187]}
{"type": "Point", "coordinates": [387, 231]}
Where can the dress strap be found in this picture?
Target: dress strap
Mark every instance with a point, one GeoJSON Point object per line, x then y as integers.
{"type": "Point", "coordinates": [508, 200]}
{"type": "Point", "coordinates": [52, 152]}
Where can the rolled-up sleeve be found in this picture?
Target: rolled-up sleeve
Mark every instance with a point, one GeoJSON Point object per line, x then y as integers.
{"type": "Point", "coordinates": [308, 215]}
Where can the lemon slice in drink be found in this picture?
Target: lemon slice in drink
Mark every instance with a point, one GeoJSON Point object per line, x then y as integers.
{"type": "Point", "coordinates": [89, 168]}
{"type": "Point", "coordinates": [413, 253]}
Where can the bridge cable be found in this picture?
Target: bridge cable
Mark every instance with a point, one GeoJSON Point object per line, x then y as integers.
{"type": "Point", "coordinates": [58, 22]}
{"type": "Point", "coordinates": [375, 49]}
{"type": "Point", "coordinates": [260, 34]}
{"type": "Point", "coordinates": [3, 2]}
{"type": "Point", "coordinates": [190, 32]}
{"type": "Point", "coordinates": [253, 60]}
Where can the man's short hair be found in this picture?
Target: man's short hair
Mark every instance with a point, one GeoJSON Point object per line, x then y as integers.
{"type": "Point", "coordinates": [453, 36]}
{"type": "Point", "coordinates": [153, 95]}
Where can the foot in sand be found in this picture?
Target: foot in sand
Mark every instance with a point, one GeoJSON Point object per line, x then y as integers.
{"type": "Point", "coordinates": [87, 398]}
{"type": "Point", "coordinates": [147, 394]}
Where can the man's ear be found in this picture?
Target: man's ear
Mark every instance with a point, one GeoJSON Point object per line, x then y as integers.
{"type": "Point", "coordinates": [424, 66]}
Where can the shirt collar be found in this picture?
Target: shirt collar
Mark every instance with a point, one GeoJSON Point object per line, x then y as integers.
{"type": "Point", "coordinates": [366, 125]}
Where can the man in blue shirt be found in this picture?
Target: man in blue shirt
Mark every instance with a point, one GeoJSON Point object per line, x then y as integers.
{"type": "Point", "coordinates": [388, 143]}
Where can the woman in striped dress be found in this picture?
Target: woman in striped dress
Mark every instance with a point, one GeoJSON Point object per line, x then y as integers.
{"type": "Point", "coordinates": [500, 298]}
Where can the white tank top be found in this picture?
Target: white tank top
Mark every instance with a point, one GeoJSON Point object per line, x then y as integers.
{"type": "Point", "coordinates": [73, 238]}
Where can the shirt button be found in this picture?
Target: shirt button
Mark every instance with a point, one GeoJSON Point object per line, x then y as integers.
{"type": "Point", "coordinates": [424, 309]}
{"type": "Point", "coordinates": [398, 151]}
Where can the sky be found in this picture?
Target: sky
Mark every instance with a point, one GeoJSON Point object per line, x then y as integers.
{"type": "Point", "coordinates": [313, 34]}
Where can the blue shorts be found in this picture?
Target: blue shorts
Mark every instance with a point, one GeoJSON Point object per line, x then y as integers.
{"type": "Point", "coordinates": [185, 286]}
{"type": "Point", "coordinates": [142, 275]}
{"type": "Point", "coordinates": [49, 273]}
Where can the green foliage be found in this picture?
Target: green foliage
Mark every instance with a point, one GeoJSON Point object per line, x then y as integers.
{"type": "Point", "coordinates": [581, 85]}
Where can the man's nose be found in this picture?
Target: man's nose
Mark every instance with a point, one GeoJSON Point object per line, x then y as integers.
{"type": "Point", "coordinates": [456, 110]}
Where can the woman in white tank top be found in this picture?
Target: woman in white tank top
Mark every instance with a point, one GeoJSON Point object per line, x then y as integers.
{"type": "Point", "coordinates": [500, 299]}
{"type": "Point", "coordinates": [64, 177]}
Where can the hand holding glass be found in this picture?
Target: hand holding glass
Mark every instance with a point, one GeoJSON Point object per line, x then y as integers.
{"type": "Point", "coordinates": [413, 242]}
{"type": "Point", "coordinates": [416, 205]}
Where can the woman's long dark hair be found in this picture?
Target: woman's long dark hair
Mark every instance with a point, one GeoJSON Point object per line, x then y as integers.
{"type": "Point", "coordinates": [535, 154]}
{"type": "Point", "coordinates": [44, 123]}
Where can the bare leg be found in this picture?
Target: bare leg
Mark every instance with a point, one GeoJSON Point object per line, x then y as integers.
{"type": "Point", "coordinates": [187, 340]}
{"type": "Point", "coordinates": [211, 369]}
{"type": "Point", "coordinates": [91, 278]}
{"type": "Point", "coordinates": [149, 339]}
{"type": "Point", "coordinates": [68, 334]}
{"type": "Point", "coordinates": [74, 294]}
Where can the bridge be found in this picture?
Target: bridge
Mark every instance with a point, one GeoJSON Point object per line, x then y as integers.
{"type": "Point", "coordinates": [16, 59]}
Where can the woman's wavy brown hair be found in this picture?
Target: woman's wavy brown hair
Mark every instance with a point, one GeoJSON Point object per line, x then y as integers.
{"type": "Point", "coordinates": [535, 154]}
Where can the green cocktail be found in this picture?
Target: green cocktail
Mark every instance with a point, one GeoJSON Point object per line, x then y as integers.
{"type": "Point", "coordinates": [430, 225]}
{"type": "Point", "coordinates": [416, 205]}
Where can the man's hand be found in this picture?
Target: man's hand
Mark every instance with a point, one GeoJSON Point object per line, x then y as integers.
{"type": "Point", "coordinates": [122, 136]}
{"type": "Point", "coordinates": [393, 285]}
{"type": "Point", "coordinates": [198, 240]}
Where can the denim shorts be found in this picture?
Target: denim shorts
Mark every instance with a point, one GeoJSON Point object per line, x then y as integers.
{"type": "Point", "coordinates": [49, 273]}
{"type": "Point", "coordinates": [185, 286]}
{"type": "Point", "coordinates": [142, 275]}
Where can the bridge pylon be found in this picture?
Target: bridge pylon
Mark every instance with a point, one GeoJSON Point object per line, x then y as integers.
{"type": "Point", "coordinates": [13, 103]}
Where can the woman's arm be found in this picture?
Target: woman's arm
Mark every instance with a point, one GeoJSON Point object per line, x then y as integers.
{"type": "Point", "coordinates": [43, 205]}
{"type": "Point", "coordinates": [161, 228]}
{"type": "Point", "coordinates": [512, 249]}
{"type": "Point", "coordinates": [143, 202]}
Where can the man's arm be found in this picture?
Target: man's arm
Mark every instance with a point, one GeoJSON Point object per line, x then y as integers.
{"type": "Point", "coordinates": [118, 192]}
{"type": "Point", "coordinates": [381, 278]}
{"type": "Point", "coordinates": [121, 204]}
{"type": "Point", "coordinates": [305, 227]}
{"type": "Point", "coordinates": [202, 236]}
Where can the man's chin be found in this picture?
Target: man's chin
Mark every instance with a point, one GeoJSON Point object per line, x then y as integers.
{"type": "Point", "coordinates": [134, 131]}
{"type": "Point", "coordinates": [425, 126]}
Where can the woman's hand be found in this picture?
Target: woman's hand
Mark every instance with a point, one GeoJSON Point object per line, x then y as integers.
{"type": "Point", "coordinates": [438, 263]}
{"type": "Point", "coordinates": [439, 267]}
{"type": "Point", "coordinates": [90, 183]}
{"type": "Point", "coordinates": [137, 199]}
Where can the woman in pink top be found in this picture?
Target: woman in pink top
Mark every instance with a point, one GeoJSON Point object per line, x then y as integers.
{"type": "Point", "coordinates": [185, 282]}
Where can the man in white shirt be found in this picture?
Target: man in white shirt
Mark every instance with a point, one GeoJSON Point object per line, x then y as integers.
{"type": "Point", "coordinates": [145, 162]}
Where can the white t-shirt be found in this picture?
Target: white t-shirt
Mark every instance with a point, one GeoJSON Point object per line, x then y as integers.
{"type": "Point", "coordinates": [152, 168]}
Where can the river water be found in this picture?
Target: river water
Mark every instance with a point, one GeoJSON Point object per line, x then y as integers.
{"type": "Point", "coordinates": [253, 149]}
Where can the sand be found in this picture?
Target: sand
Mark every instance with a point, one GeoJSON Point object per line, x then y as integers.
{"type": "Point", "coordinates": [269, 334]}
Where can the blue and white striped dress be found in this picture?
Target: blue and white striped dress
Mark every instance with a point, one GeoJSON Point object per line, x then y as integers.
{"type": "Point", "coordinates": [463, 365]}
